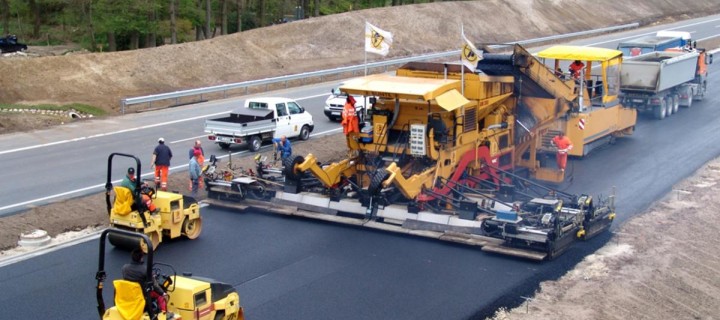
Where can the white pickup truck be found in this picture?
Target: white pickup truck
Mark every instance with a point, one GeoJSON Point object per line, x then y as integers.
{"type": "Point", "coordinates": [261, 119]}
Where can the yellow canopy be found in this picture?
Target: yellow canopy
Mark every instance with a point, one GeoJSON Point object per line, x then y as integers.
{"type": "Point", "coordinates": [451, 100]}
{"type": "Point", "coordinates": [579, 53]}
{"type": "Point", "coordinates": [387, 86]}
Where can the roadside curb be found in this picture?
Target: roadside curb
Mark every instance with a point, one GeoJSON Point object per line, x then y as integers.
{"type": "Point", "coordinates": [55, 245]}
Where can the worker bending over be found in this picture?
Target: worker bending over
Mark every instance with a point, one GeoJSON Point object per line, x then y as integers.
{"type": "Point", "coordinates": [283, 147]}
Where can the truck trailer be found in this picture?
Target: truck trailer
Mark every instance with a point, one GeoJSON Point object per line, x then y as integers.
{"type": "Point", "coordinates": [662, 81]}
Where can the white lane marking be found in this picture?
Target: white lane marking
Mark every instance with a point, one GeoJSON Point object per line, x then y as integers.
{"type": "Point", "coordinates": [710, 37]}
{"type": "Point", "coordinates": [644, 34]}
{"type": "Point", "coordinates": [130, 129]}
{"type": "Point", "coordinates": [193, 138]}
{"type": "Point", "coordinates": [149, 174]}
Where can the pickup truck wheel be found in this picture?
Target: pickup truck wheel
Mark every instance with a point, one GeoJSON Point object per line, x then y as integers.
{"type": "Point", "coordinates": [254, 143]}
{"type": "Point", "coordinates": [224, 145]}
{"type": "Point", "coordinates": [304, 133]}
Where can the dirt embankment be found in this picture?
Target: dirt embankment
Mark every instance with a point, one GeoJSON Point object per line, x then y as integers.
{"type": "Point", "coordinates": [102, 79]}
{"type": "Point", "coordinates": [660, 265]}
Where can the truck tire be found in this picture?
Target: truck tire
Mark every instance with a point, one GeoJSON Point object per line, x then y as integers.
{"type": "Point", "coordinates": [690, 97]}
{"type": "Point", "coordinates": [701, 91]}
{"type": "Point", "coordinates": [668, 106]}
{"type": "Point", "coordinates": [304, 133]}
{"type": "Point", "coordinates": [659, 111]}
{"type": "Point", "coordinates": [224, 145]}
{"type": "Point", "coordinates": [254, 143]}
{"type": "Point", "coordinates": [675, 103]}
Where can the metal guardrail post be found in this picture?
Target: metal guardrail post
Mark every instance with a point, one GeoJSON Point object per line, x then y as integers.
{"type": "Point", "coordinates": [352, 69]}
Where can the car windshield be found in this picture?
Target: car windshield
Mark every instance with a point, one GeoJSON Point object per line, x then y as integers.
{"type": "Point", "coordinates": [336, 92]}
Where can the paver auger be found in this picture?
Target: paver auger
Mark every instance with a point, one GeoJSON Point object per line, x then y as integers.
{"type": "Point", "coordinates": [442, 157]}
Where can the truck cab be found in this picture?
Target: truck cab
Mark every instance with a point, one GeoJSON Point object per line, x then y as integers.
{"type": "Point", "coordinates": [661, 41]}
{"type": "Point", "coordinates": [261, 119]}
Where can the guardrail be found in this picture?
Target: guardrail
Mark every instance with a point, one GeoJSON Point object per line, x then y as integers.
{"type": "Point", "coordinates": [387, 63]}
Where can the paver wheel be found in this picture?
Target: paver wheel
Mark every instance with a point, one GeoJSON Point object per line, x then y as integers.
{"type": "Point", "coordinates": [289, 167]}
{"type": "Point", "coordinates": [378, 177]}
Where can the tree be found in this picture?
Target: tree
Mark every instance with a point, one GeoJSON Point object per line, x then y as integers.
{"type": "Point", "coordinates": [316, 7]}
{"type": "Point", "coordinates": [240, 9]}
{"type": "Point", "coordinates": [223, 17]}
{"type": "Point", "coordinates": [208, 15]}
{"type": "Point", "coordinates": [35, 8]}
{"type": "Point", "coordinates": [5, 8]}
{"type": "Point", "coordinates": [173, 25]}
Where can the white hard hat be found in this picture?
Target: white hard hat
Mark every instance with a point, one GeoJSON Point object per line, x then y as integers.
{"type": "Point", "coordinates": [161, 140]}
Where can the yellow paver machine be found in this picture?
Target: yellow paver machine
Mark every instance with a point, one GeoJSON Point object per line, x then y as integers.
{"type": "Point", "coordinates": [451, 154]}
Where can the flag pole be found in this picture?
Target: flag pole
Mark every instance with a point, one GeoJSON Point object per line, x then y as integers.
{"type": "Point", "coordinates": [365, 49]}
{"type": "Point", "coordinates": [462, 66]}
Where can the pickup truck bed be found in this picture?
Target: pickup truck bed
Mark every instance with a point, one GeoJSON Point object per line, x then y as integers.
{"type": "Point", "coordinates": [242, 122]}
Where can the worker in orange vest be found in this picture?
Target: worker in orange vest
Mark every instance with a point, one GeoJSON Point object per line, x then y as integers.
{"type": "Point", "coordinates": [563, 144]}
{"type": "Point", "coordinates": [350, 123]}
{"type": "Point", "coordinates": [575, 68]}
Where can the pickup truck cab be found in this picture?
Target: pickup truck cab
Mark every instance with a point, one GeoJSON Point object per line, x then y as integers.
{"type": "Point", "coordinates": [261, 119]}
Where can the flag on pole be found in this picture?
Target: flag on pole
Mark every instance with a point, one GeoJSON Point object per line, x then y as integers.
{"type": "Point", "coordinates": [470, 55]}
{"type": "Point", "coordinates": [377, 40]}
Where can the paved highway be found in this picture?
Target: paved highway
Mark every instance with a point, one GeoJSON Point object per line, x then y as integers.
{"type": "Point", "coordinates": [288, 268]}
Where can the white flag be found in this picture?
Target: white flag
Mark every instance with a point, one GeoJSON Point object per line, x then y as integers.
{"type": "Point", "coordinates": [377, 40]}
{"type": "Point", "coordinates": [470, 55]}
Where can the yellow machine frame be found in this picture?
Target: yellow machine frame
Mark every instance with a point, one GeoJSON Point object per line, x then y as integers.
{"type": "Point", "coordinates": [599, 113]}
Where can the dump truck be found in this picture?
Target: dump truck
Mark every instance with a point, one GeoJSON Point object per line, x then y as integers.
{"type": "Point", "coordinates": [445, 151]}
{"type": "Point", "coordinates": [660, 82]}
{"type": "Point", "coordinates": [260, 120]}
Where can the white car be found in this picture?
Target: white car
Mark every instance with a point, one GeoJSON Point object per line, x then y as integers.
{"type": "Point", "coordinates": [336, 101]}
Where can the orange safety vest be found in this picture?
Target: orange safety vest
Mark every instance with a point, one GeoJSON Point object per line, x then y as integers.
{"type": "Point", "coordinates": [562, 143]}
{"type": "Point", "coordinates": [148, 202]}
{"type": "Point", "coordinates": [349, 119]}
{"type": "Point", "coordinates": [575, 69]}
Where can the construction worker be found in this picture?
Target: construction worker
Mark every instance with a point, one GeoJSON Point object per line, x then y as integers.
{"type": "Point", "coordinates": [129, 180]}
{"type": "Point", "coordinates": [575, 69]}
{"type": "Point", "coordinates": [563, 144]}
{"type": "Point", "coordinates": [195, 173]}
{"type": "Point", "coordinates": [200, 160]}
{"type": "Point", "coordinates": [283, 147]}
{"type": "Point", "coordinates": [350, 123]}
{"type": "Point", "coordinates": [136, 271]}
{"type": "Point", "coordinates": [161, 162]}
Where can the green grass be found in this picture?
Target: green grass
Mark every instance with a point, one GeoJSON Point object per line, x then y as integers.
{"type": "Point", "coordinates": [82, 108]}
